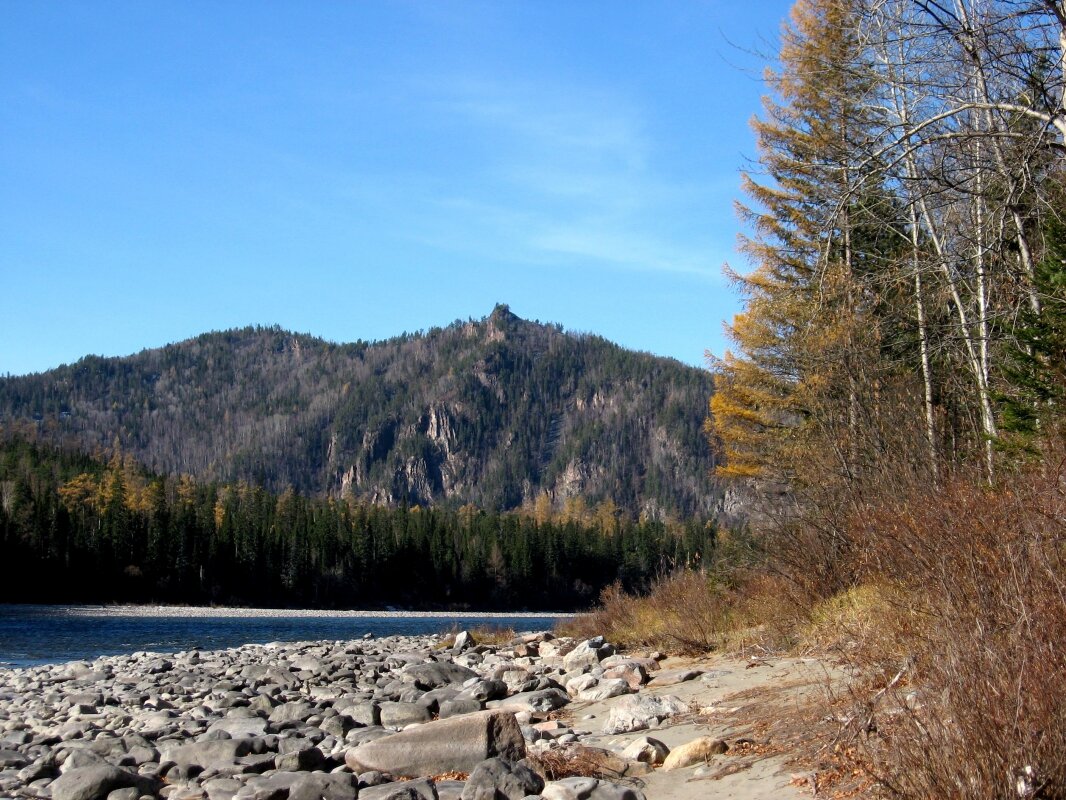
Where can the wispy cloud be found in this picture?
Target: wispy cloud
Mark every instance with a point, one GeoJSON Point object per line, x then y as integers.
{"type": "Point", "coordinates": [633, 251]}
{"type": "Point", "coordinates": [557, 123]}
{"type": "Point", "coordinates": [568, 173]}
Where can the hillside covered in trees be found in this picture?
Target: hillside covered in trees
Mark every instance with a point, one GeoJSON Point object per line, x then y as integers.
{"type": "Point", "coordinates": [75, 529]}
{"type": "Point", "coordinates": [501, 413]}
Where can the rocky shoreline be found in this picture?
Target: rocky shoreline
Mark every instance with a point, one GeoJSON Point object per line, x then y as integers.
{"type": "Point", "coordinates": [396, 718]}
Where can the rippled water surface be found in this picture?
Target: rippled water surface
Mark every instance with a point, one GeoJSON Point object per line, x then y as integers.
{"type": "Point", "coordinates": [44, 634]}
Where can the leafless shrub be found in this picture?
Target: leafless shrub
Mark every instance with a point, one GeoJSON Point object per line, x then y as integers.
{"type": "Point", "coordinates": [979, 709]}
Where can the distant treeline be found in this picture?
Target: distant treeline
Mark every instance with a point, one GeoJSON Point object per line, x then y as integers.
{"type": "Point", "coordinates": [80, 529]}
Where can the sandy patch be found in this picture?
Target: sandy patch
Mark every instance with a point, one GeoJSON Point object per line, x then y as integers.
{"type": "Point", "coordinates": [765, 705]}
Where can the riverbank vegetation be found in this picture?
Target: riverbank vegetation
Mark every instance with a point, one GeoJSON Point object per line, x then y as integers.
{"type": "Point", "coordinates": [892, 405]}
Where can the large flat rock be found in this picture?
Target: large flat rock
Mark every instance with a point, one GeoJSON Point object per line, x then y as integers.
{"type": "Point", "coordinates": [457, 743]}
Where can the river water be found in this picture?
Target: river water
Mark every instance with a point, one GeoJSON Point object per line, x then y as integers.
{"type": "Point", "coordinates": [45, 634]}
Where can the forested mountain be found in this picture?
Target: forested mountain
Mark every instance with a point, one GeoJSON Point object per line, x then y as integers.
{"type": "Point", "coordinates": [500, 413]}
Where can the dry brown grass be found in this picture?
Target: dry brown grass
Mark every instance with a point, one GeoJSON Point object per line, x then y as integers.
{"type": "Point", "coordinates": [874, 624]}
{"type": "Point", "coordinates": [579, 761]}
{"type": "Point", "coordinates": [796, 720]}
{"type": "Point", "coordinates": [949, 603]}
{"type": "Point", "coordinates": [554, 765]}
{"type": "Point", "coordinates": [691, 612]}
{"type": "Point", "coordinates": [769, 615]}
{"type": "Point", "coordinates": [686, 612]}
{"type": "Point", "coordinates": [978, 710]}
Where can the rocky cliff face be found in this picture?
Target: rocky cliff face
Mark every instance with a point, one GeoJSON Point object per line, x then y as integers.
{"type": "Point", "coordinates": [495, 412]}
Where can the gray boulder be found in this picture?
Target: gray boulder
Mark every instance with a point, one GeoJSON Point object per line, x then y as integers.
{"type": "Point", "coordinates": [460, 705]}
{"type": "Point", "coordinates": [581, 683]}
{"type": "Point", "coordinates": [302, 759]}
{"type": "Point", "coordinates": [604, 690]}
{"type": "Point", "coordinates": [674, 676]}
{"type": "Point", "coordinates": [410, 694]}
{"type": "Point", "coordinates": [423, 789]}
{"type": "Point", "coordinates": [587, 654]}
{"type": "Point", "coordinates": [539, 701]}
{"type": "Point", "coordinates": [458, 743]}
{"type": "Point", "coordinates": [589, 789]}
{"type": "Point", "coordinates": [97, 782]}
{"type": "Point", "coordinates": [371, 778]}
{"type": "Point", "coordinates": [12, 759]}
{"type": "Point", "coordinates": [638, 712]}
{"type": "Point", "coordinates": [513, 677]}
{"type": "Point", "coordinates": [496, 779]}
{"type": "Point", "coordinates": [433, 698]}
{"type": "Point", "coordinates": [222, 788]}
{"type": "Point", "coordinates": [362, 712]}
{"type": "Point", "coordinates": [262, 703]}
{"type": "Point", "coordinates": [632, 672]}
{"type": "Point", "coordinates": [82, 757]}
{"type": "Point", "coordinates": [325, 786]}
{"type": "Point", "coordinates": [41, 768]}
{"type": "Point", "coordinates": [207, 754]}
{"type": "Point", "coordinates": [139, 754]}
{"type": "Point", "coordinates": [263, 675]}
{"type": "Point", "coordinates": [269, 787]}
{"type": "Point", "coordinates": [437, 674]}
{"type": "Point", "coordinates": [240, 726]}
{"type": "Point", "coordinates": [485, 690]}
{"type": "Point", "coordinates": [290, 713]}
{"type": "Point", "coordinates": [252, 764]}
{"type": "Point", "coordinates": [646, 750]}
{"type": "Point", "coordinates": [449, 790]}
{"type": "Point", "coordinates": [337, 725]}
{"type": "Point", "coordinates": [358, 736]}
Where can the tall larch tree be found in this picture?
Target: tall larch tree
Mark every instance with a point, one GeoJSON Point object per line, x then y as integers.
{"type": "Point", "coordinates": [794, 380]}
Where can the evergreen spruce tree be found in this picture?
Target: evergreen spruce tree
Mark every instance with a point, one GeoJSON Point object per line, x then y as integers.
{"type": "Point", "coordinates": [1035, 367]}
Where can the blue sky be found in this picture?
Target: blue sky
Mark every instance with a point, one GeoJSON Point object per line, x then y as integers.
{"type": "Point", "coordinates": [356, 170]}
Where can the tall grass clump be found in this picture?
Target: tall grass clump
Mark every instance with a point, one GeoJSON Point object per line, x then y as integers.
{"type": "Point", "coordinates": [689, 612]}
{"type": "Point", "coordinates": [685, 612]}
{"type": "Point", "coordinates": [723, 602]}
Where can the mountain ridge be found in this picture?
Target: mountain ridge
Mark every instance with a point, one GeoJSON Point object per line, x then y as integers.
{"type": "Point", "coordinates": [499, 412]}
